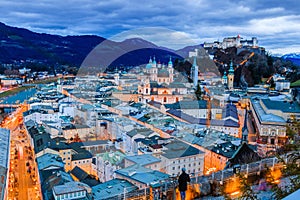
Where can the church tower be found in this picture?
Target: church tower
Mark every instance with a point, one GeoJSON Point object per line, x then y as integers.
{"type": "Point", "coordinates": [230, 77]}
{"type": "Point", "coordinates": [194, 72]}
{"type": "Point", "coordinates": [153, 73]}
{"type": "Point", "coordinates": [170, 70]}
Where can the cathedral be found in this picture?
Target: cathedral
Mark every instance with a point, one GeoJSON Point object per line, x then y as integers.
{"type": "Point", "coordinates": [160, 73]}
{"type": "Point", "coordinates": [158, 83]}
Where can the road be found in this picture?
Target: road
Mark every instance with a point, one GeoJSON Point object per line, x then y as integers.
{"type": "Point", "coordinates": [23, 181]}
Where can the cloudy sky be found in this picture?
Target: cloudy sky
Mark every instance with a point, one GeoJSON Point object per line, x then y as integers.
{"type": "Point", "coordinates": [276, 23]}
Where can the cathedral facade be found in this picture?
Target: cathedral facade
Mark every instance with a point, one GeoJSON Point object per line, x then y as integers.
{"type": "Point", "coordinates": [158, 84]}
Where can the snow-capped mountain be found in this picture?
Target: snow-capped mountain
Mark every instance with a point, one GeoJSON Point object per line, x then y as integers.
{"type": "Point", "coordinates": [294, 57]}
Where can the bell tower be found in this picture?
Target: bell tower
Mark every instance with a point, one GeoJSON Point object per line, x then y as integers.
{"type": "Point", "coordinates": [230, 77]}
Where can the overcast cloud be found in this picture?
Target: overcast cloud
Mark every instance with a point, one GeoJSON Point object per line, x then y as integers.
{"type": "Point", "coordinates": [276, 23]}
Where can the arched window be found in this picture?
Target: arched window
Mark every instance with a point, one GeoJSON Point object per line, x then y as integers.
{"type": "Point", "coordinates": [165, 99]}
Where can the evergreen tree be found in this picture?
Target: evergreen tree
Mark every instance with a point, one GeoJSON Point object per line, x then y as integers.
{"type": "Point", "coordinates": [198, 92]}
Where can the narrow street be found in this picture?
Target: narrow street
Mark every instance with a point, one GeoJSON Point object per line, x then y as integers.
{"type": "Point", "coordinates": [23, 178]}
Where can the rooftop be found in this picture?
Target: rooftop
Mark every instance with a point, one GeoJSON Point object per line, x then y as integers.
{"type": "Point", "coordinates": [176, 149]}
{"type": "Point", "coordinates": [206, 137]}
{"type": "Point", "coordinates": [79, 173]}
{"type": "Point", "coordinates": [75, 126]}
{"type": "Point", "coordinates": [49, 160]}
{"type": "Point", "coordinates": [284, 106]}
{"type": "Point", "coordinates": [144, 159]}
{"type": "Point", "coordinates": [226, 149]}
{"type": "Point", "coordinates": [82, 156]}
{"type": "Point", "coordinates": [201, 104]}
{"type": "Point", "coordinates": [114, 157]}
{"type": "Point", "coordinates": [193, 120]}
{"type": "Point", "coordinates": [263, 116]}
{"type": "Point", "coordinates": [142, 174]}
{"type": "Point", "coordinates": [69, 187]}
{"type": "Point", "coordinates": [112, 188]}
{"type": "Point", "coordinates": [142, 131]}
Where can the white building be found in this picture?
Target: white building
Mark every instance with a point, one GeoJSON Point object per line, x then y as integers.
{"type": "Point", "coordinates": [281, 85]}
{"type": "Point", "coordinates": [177, 155]}
{"type": "Point", "coordinates": [40, 115]}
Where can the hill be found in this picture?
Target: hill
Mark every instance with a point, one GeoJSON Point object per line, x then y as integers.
{"type": "Point", "coordinates": [18, 45]}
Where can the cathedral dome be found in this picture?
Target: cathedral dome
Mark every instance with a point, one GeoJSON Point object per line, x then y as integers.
{"type": "Point", "coordinates": [148, 66]}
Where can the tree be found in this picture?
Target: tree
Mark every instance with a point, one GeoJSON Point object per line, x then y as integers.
{"type": "Point", "coordinates": [291, 170]}
{"type": "Point", "coordinates": [198, 92]}
{"type": "Point", "coordinates": [245, 188]}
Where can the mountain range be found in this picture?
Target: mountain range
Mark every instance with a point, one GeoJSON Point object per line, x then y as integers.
{"type": "Point", "coordinates": [19, 44]}
{"type": "Point", "coordinates": [293, 57]}
{"type": "Point", "coordinates": [25, 46]}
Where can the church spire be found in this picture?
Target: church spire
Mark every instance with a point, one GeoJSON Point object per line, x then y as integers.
{"type": "Point", "coordinates": [194, 72]}
{"type": "Point", "coordinates": [231, 70]}
{"type": "Point", "coordinates": [154, 62]}
{"type": "Point", "coordinates": [170, 64]}
{"type": "Point", "coordinates": [195, 61]}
